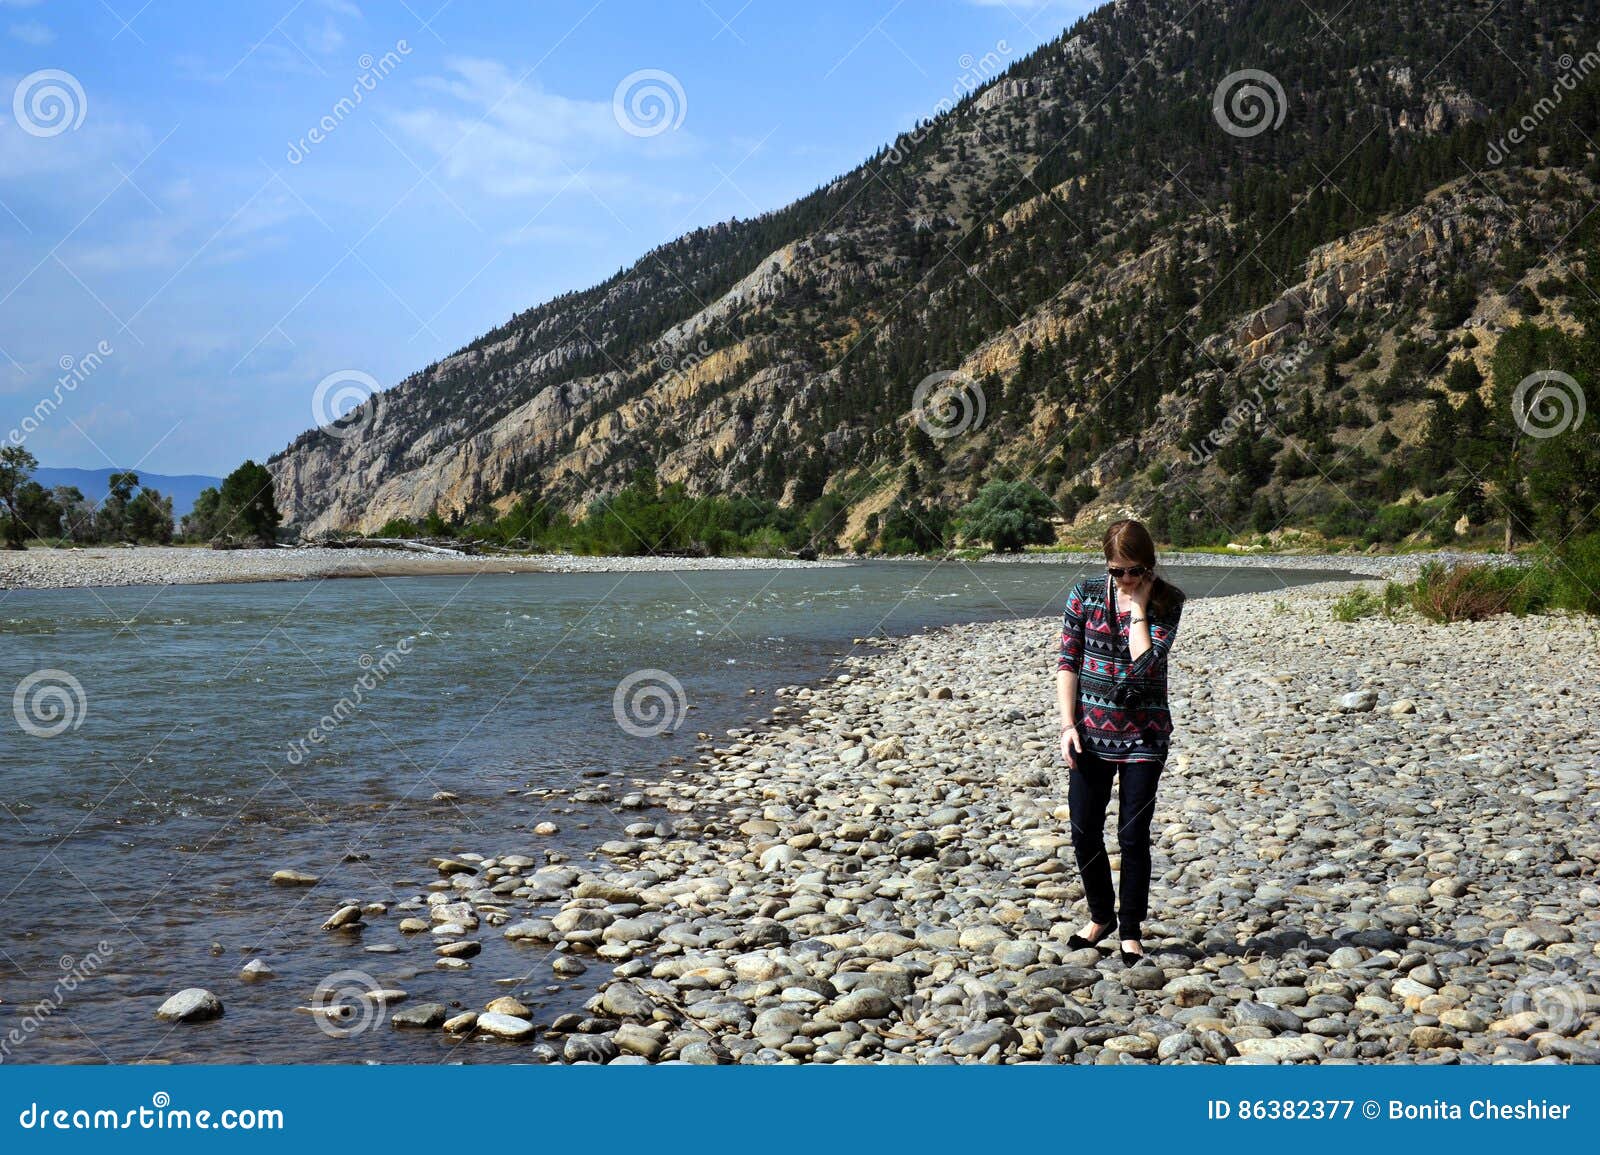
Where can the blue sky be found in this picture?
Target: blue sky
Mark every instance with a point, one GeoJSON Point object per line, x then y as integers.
{"type": "Point", "coordinates": [183, 260]}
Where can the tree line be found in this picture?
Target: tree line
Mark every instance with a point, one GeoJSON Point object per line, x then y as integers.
{"type": "Point", "coordinates": [241, 511]}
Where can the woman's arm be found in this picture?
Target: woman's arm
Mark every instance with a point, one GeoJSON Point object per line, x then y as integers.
{"type": "Point", "coordinates": [1157, 637]}
{"type": "Point", "coordinates": [1139, 639]}
{"type": "Point", "coordinates": [1068, 663]}
{"type": "Point", "coordinates": [1067, 697]}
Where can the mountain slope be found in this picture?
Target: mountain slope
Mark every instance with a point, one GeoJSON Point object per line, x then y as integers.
{"type": "Point", "coordinates": [95, 483]}
{"type": "Point", "coordinates": [1094, 264]}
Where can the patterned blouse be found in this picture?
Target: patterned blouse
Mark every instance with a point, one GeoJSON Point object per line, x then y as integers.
{"type": "Point", "coordinates": [1142, 732]}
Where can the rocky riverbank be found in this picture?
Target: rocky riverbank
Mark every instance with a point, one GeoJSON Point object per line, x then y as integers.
{"type": "Point", "coordinates": [1393, 566]}
{"type": "Point", "coordinates": [1376, 841]}
{"type": "Point", "coordinates": [184, 565]}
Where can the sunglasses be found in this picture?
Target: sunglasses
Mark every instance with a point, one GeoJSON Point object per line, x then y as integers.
{"type": "Point", "coordinates": [1137, 571]}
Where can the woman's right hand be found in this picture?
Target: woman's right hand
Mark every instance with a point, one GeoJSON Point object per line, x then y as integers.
{"type": "Point", "coordinates": [1071, 746]}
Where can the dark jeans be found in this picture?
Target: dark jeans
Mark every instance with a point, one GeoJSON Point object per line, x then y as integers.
{"type": "Point", "coordinates": [1088, 795]}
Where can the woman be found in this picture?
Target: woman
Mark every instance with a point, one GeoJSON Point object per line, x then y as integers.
{"type": "Point", "coordinates": [1111, 683]}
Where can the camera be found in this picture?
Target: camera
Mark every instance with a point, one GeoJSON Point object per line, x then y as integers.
{"type": "Point", "coordinates": [1127, 696]}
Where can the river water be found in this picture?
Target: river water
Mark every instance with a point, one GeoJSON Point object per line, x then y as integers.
{"type": "Point", "coordinates": [210, 735]}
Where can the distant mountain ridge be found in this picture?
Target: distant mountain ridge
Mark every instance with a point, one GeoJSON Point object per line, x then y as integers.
{"type": "Point", "coordinates": [95, 483]}
{"type": "Point", "coordinates": [1107, 268]}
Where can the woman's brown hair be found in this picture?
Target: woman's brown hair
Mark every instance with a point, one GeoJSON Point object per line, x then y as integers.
{"type": "Point", "coordinates": [1130, 539]}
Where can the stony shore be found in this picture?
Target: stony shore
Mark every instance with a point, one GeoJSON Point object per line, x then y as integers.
{"type": "Point", "coordinates": [182, 565]}
{"type": "Point", "coordinates": [1376, 842]}
{"type": "Point", "coordinates": [1393, 566]}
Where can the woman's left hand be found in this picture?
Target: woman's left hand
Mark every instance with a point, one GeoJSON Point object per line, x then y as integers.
{"type": "Point", "coordinates": [1139, 598]}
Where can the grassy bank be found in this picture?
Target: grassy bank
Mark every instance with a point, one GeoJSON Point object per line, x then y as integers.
{"type": "Point", "coordinates": [1550, 581]}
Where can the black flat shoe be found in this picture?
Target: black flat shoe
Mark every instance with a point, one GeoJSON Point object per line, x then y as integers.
{"type": "Point", "coordinates": [1132, 958]}
{"type": "Point", "coordinates": [1078, 942]}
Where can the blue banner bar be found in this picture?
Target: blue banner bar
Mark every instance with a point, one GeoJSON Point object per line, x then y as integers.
{"type": "Point", "coordinates": [682, 1107]}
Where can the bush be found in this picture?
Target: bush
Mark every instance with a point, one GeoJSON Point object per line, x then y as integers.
{"type": "Point", "coordinates": [1395, 595]}
{"type": "Point", "coordinates": [1575, 575]}
{"type": "Point", "coordinates": [1357, 604]}
{"type": "Point", "coordinates": [1008, 515]}
{"type": "Point", "coordinates": [1364, 603]}
{"type": "Point", "coordinates": [1391, 523]}
{"type": "Point", "coordinates": [764, 542]}
{"type": "Point", "coordinates": [1470, 593]}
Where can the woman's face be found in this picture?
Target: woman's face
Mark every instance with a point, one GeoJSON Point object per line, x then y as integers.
{"type": "Point", "coordinates": [1127, 583]}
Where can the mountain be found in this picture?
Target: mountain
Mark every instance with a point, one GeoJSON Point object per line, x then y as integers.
{"type": "Point", "coordinates": [1217, 264]}
{"type": "Point", "coordinates": [95, 483]}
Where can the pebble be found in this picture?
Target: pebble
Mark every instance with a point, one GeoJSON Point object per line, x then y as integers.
{"type": "Point", "coordinates": [345, 916]}
{"type": "Point", "coordinates": [504, 1026]}
{"type": "Point", "coordinates": [294, 878]}
{"type": "Point", "coordinates": [190, 1005]}
{"type": "Point", "coordinates": [425, 1015]}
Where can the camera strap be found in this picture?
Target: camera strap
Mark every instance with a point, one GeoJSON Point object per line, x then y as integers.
{"type": "Point", "coordinates": [1111, 615]}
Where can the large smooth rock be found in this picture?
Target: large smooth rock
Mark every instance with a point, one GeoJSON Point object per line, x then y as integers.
{"type": "Point", "coordinates": [190, 1005]}
{"type": "Point", "coordinates": [504, 1026]}
{"type": "Point", "coordinates": [1285, 1048]}
{"type": "Point", "coordinates": [423, 1015]}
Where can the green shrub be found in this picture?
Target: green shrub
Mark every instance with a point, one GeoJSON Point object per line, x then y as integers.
{"type": "Point", "coordinates": [1395, 595]}
{"type": "Point", "coordinates": [1470, 593]}
{"type": "Point", "coordinates": [1575, 575]}
{"type": "Point", "coordinates": [1357, 604]}
{"type": "Point", "coordinates": [1391, 523]}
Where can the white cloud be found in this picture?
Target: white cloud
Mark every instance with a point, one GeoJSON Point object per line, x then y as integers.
{"type": "Point", "coordinates": [88, 153]}
{"type": "Point", "coordinates": [32, 32]}
{"type": "Point", "coordinates": [325, 38]}
{"type": "Point", "coordinates": [516, 140]}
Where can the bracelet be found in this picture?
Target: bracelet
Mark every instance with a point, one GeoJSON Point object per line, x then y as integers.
{"type": "Point", "coordinates": [1136, 621]}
